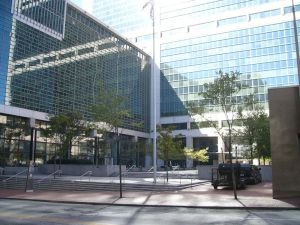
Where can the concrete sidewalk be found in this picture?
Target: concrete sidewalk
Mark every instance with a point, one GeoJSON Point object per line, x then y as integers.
{"type": "Point", "coordinates": [203, 195]}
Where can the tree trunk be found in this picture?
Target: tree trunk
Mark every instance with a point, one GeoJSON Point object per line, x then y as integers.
{"type": "Point", "coordinates": [232, 169]}
{"type": "Point", "coordinates": [167, 172]}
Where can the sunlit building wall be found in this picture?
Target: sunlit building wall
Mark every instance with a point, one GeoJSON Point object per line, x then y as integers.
{"type": "Point", "coordinates": [195, 39]}
{"type": "Point", "coordinates": [54, 59]}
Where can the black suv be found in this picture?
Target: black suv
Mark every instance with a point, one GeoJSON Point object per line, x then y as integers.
{"type": "Point", "coordinates": [251, 174]}
{"type": "Point", "coordinates": [222, 176]}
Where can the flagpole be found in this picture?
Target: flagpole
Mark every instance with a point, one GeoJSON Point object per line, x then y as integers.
{"type": "Point", "coordinates": [154, 96]}
{"type": "Point", "coordinates": [296, 42]}
{"type": "Point", "coordinates": [152, 15]}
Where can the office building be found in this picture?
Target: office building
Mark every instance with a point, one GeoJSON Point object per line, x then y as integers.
{"type": "Point", "coordinates": [195, 39]}
{"type": "Point", "coordinates": [54, 59]}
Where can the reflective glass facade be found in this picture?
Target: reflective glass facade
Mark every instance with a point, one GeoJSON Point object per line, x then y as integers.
{"type": "Point", "coordinates": [123, 15]}
{"type": "Point", "coordinates": [5, 28]}
{"type": "Point", "coordinates": [45, 15]}
{"type": "Point", "coordinates": [255, 38]}
{"type": "Point", "coordinates": [56, 74]}
{"type": "Point", "coordinates": [198, 38]}
{"type": "Point", "coordinates": [264, 55]}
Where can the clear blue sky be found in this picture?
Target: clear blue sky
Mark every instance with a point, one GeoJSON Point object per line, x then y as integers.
{"type": "Point", "coordinates": [85, 4]}
{"type": "Point", "coordinates": [78, 2]}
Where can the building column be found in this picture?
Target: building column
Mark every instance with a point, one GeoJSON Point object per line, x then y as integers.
{"type": "Point", "coordinates": [189, 144]}
{"type": "Point", "coordinates": [221, 151]}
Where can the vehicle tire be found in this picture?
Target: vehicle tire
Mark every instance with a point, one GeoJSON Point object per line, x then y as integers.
{"type": "Point", "coordinates": [215, 187]}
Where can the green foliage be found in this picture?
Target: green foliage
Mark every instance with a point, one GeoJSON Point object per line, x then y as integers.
{"type": "Point", "coordinates": [198, 155]}
{"type": "Point", "coordinates": [70, 161]}
{"type": "Point", "coordinates": [109, 108]}
{"type": "Point", "coordinates": [263, 143]}
{"type": "Point", "coordinates": [169, 147]}
{"type": "Point", "coordinates": [109, 115]}
{"type": "Point", "coordinates": [66, 129]}
{"type": "Point", "coordinates": [12, 132]}
{"type": "Point", "coordinates": [222, 92]}
{"type": "Point", "coordinates": [256, 131]}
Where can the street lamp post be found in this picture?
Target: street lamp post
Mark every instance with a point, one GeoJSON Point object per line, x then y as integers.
{"type": "Point", "coordinates": [29, 178]}
{"type": "Point", "coordinates": [154, 99]}
{"type": "Point", "coordinates": [119, 162]}
{"type": "Point", "coordinates": [97, 138]}
{"type": "Point", "coordinates": [96, 153]}
{"type": "Point", "coordinates": [137, 151]}
{"type": "Point", "coordinates": [152, 15]}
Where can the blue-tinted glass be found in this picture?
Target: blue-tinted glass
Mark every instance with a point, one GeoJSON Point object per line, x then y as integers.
{"type": "Point", "coordinates": [58, 76]}
{"type": "Point", "coordinates": [5, 29]}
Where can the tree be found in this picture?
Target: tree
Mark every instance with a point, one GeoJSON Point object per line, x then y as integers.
{"type": "Point", "coordinates": [12, 132]}
{"type": "Point", "coordinates": [198, 155]}
{"type": "Point", "coordinates": [169, 146]}
{"type": "Point", "coordinates": [256, 133]}
{"type": "Point", "coordinates": [247, 133]}
{"type": "Point", "coordinates": [109, 114]}
{"type": "Point", "coordinates": [263, 144]}
{"type": "Point", "coordinates": [109, 109]}
{"type": "Point", "coordinates": [223, 93]}
{"type": "Point", "coordinates": [66, 129]}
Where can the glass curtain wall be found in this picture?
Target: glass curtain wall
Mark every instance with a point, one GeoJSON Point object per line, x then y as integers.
{"type": "Point", "coordinates": [56, 63]}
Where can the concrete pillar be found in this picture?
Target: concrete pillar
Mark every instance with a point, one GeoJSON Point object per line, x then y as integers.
{"type": "Point", "coordinates": [189, 144]}
{"type": "Point", "coordinates": [284, 134]}
{"type": "Point", "coordinates": [221, 150]}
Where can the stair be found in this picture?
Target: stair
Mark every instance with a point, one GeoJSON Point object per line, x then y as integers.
{"type": "Point", "coordinates": [18, 183]}
{"type": "Point", "coordinates": [63, 184]}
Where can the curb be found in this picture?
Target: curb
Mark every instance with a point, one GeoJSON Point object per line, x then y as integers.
{"type": "Point", "coordinates": [161, 206]}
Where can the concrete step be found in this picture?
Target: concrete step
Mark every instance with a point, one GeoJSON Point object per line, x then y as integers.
{"type": "Point", "coordinates": [18, 183]}
{"type": "Point", "coordinates": [162, 175]}
{"type": "Point", "coordinates": [61, 184]}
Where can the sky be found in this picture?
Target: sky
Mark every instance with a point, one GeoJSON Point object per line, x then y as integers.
{"type": "Point", "coordinates": [84, 4]}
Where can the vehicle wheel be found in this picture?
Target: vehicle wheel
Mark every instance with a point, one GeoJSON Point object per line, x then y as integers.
{"type": "Point", "coordinates": [215, 187]}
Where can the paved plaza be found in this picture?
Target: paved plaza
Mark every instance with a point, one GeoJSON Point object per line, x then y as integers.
{"type": "Point", "coordinates": [201, 195]}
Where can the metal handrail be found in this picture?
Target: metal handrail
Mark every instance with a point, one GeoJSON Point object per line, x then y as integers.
{"type": "Point", "coordinates": [133, 166]}
{"type": "Point", "coordinates": [52, 174]}
{"type": "Point", "coordinates": [127, 171]}
{"type": "Point", "coordinates": [23, 171]}
{"type": "Point", "coordinates": [150, 169]}
{"type": "Point", "coordinates": [87, 172]}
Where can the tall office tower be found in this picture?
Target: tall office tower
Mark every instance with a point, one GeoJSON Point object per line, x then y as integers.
{"type": "Point", "coordinates": [195, 39]}
{"type": "Point", "coordinates": [58, 52]}
{"type": "Point", "coordinates": [55, 58]}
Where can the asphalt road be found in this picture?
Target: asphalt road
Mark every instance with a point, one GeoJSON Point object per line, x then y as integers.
{"type": "Point", "coordinates": [24, 212]}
